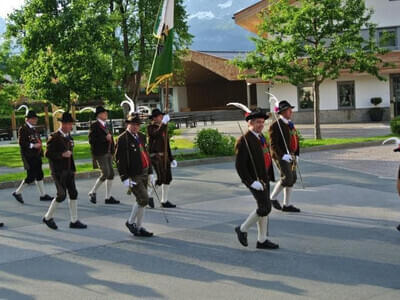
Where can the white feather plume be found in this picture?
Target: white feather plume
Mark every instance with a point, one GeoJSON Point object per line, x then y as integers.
{"type": "Point", "coordinates": [25, 107]}
{"type": "Point", "coordinates": [240, 106]}
{"type": "Point", "coordinates": [130, 102]}
{"type": "Point", "coordinates": [58, 111]}
{"type": "Point", "coordinates": [396, 140]}
{"type": "Point", "coordinates": [273, 100]}
{"type": "Point", "coordinates": [87, 108]}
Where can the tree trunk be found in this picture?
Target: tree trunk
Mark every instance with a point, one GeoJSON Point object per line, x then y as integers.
{"type": "Point", "coordinates": [317, 123]}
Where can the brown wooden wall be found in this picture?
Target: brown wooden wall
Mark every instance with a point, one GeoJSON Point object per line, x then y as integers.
{"type": "Point", "coordinates": [215, 95]}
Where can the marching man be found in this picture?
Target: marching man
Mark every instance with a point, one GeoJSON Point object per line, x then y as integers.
{"type": "Point", "coordinates": [254, 166]}
{"type": "Point", "coordinates": [60, 154]}
{"type": "Point", "coordinates": [102, 147]}
{"type": "Point", "coordinates": [285, 152]}
{"type": "Point", "coordinates": [31, 154]}
{"type": "Point", "coordinates": [162, 162]}
{"type": "Point", "coordinates": [134, 167]}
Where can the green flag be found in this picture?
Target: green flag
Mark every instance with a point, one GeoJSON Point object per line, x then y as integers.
{"type": "Point", "coordinates": [162, 67]}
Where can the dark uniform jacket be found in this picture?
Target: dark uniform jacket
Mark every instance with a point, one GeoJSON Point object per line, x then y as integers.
{"type": "Point", "coordinates": [244, 166]}
{"type": "Point", "coordinates": [27, 136]}
{"type": "Point", "coordinates": [56, 146]}
{"type": "Point", "coordinates": [156, 135]}
{"type": "Point", "coordinates": [128, 156]}
{"type": "Point", "coordinates": [278, 148]}
{"type": "Point", "coordinates": [97, 139]}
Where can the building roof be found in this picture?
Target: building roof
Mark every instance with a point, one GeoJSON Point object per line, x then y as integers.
{"type": "Point", "coordinates": [228, 55]}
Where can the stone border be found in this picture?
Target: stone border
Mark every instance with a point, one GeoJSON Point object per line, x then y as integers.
{"type": "Point", "coordinates": [207, 161]}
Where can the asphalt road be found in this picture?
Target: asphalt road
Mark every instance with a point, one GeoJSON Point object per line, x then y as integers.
{"type": "Point", "coordinates": [342, 246]}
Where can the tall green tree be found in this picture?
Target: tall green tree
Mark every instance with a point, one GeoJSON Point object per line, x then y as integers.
{"type": "Point", "coordinates": [66, 48]}
{"type": "Point", "coordinates": [134, 56]}
{"type": "Point", "coordinates": [313, 41]}
{"type": "Point", "coordinates": [11, 87]}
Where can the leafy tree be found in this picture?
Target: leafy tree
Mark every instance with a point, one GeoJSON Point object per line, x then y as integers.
{"type": "Point", "coordinates": [66, 47]}
{"type": "Point", "coordinates": [10, 74]}
{"type": "Point", "coordinates": [134, 55]}
{"type": "Point", "coordinates": [313, 41]}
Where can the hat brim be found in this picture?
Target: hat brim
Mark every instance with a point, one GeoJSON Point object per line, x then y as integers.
{"type": "Point", "coordinates": [66, 121]}
{"type": "Point", "coordinates": [133, 121]}
{"type": "Point", "coordinates": [159, 114]}
{"type": "Point", "coordinates": [257, 116]}
{"type": "Point", "coordinates": [286, 108]}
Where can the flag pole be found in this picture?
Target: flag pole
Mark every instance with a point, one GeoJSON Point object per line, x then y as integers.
{"type": "Point", "coordinates": [166, 110]}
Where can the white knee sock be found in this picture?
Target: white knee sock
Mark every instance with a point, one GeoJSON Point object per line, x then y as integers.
{"type": "Point", "coordinates": [132, 217]}
{"type": "Point", "coordinates": [21, 187]}
{"type": "Point", "coordinates": [262, 229]}
{"type": "Point", "coordinates": [52, 209]}
{"type": "Point", "coordinates": [164, 193]}
{"type": "Point", "coordinates": [251, 219]}
{"type": "Point", "coordinates": [287, 191]}
{"type": "Point", "coordinates": [96, 186]}
{"type": "Point", "coordinates": [277, 189]}
{"type": "Point", "coordinates": [108, 188]}
{"type": "Point", "coordinates": [139, 217]}
{"type": "Point", "coordinates": [40, 186]}
{"type": "Point", "coordinates": [73, 210]}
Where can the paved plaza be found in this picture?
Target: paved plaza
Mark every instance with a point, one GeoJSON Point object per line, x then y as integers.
{"type": "Point", "coordinates": [343, 245]}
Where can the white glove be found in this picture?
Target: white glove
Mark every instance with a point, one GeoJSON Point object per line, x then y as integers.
{"type": "Point", "coordinates": [287, 158]}
{"type": "Point", "coordinates": [129, 183]}
{"type": "Point", "coordinates": [174, 164]}
{"type": "Point", "coordinates": [256, 185]}
{"type": "Point", "coordinates": [166, 119]}
{"type": "Point", "coordinates": [152, 179]}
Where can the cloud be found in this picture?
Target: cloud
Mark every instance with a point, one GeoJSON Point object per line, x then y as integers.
{"type": "Point", "coordinates": [7, 7]}
{"type": "Point", "coordinates": [225, 4]}
{"type": "Point", "coordinates": [203, 15]}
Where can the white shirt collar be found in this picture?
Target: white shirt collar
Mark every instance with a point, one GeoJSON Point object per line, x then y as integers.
{"type": "Point", "coordinates": [133, 134]}
{"type": "Point", "coordinates": [29, 124]}
{"type": "Point", "coordinates": [102, 122]}
{"type": "Point", "coordinates": [286, 121]}
{"type": "Point", "coordinates": [255, 133]}
{"type": "Point", "coordinates": [64, 134]}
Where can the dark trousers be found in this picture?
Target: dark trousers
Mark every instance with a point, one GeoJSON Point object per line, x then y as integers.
{"type": "Point", "coordinates": [34, 170]}
{"type": "Point", "coordinates": [140, 188]}
{"type": "Point", "coordinates": [263, 201]}
{"type": "Point", "coordinates": [288, 172]}
{"type": "Point", "coordinates": [105, 163]}
{"type": "Point", "coordinates": [65, 182]}
{"type": "Point", "coordinates": [164, 175]}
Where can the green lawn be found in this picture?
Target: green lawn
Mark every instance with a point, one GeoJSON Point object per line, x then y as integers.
{"type": "Point", "coordinates": [337, 141]}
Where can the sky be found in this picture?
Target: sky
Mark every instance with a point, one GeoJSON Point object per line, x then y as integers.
{"type": "Point", "coordinates": [7, 6]}
{"type": "Point", "coordinates": [210, 21]}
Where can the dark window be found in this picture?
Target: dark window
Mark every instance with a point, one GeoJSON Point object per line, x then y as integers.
{"type": "Point", "coordinates": [346, 94]}
{"type": "Point", "coordinates": [305, 97]}
{"type": "Point", "coordinates": [387, 37]}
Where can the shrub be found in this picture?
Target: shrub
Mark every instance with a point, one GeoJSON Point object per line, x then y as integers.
{"type": "Point", "coordinates": [212, 142]}
{"type": "Point", "coordinates": [376, 101]}
{"type": "Point", "coordinates": [395, 125]}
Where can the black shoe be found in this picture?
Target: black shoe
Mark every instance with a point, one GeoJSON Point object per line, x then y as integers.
{"type": "Point", "coordinates": [111, 200]}
{"type": "Point", "coordinates": [46, 198]}
{"type": "Point", "coordinates": [143, 232]}
{"type": "Point", "coordinates": [267, 245]}
{"type": "Point", "coordinates": [276, 204]}
{"type": "Point", "coordinates": [151, 202]}
{"type": "Point", "coordinates": [290, 208]}
{"type": "Point", "coordinates": [1, 224]}
{"type": "Point", "coordinates": [132, 227]}
{"type": "Point", "coordinates": [242, 236]}
{"type": "Point", "coordinates": [92, 198]}
{"type": "Point", "coordinates": [168, 205]}
{"type": "Point", "coordinates": [50, 223]}
{"type": "Point", "coordinates": [18, 197]}
{"type": "Point", "coordinates": [398, 228]}
{"type": "Point", "coordinates": [77, 225]}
